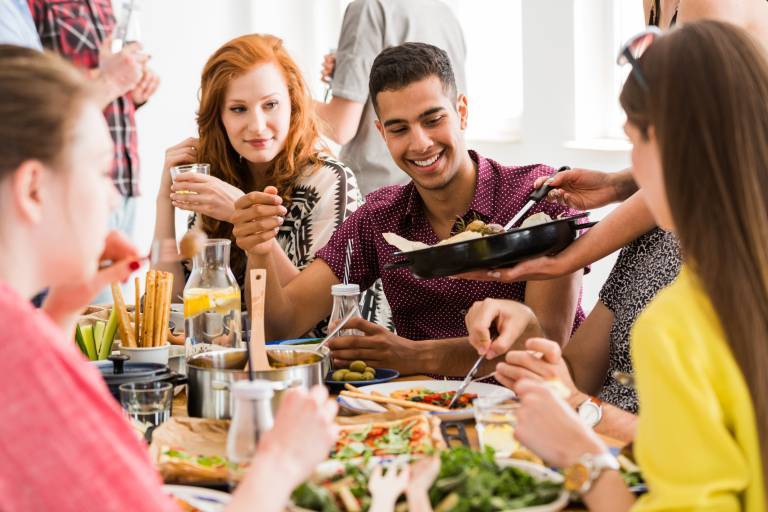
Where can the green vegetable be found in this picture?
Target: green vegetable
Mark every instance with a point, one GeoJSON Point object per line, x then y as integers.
{"type": "Point", "coordinates": [353, 376]}
{"type": "Point", "coordinates": [469, 481]}
{"type": "Point", "coordinates": [90, 344]}
{"type": "Point", "coordinates": [109, 335]}
{"type": "Point", "coordinates": [98, 334]}
{"type": "Point", "coordinates": [79, 340]}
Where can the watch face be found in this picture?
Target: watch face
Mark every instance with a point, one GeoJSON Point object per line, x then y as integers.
{"type": "Point", "coordinates": [575, 477]}
{"type": "Point", "coordinates": [589, 413]}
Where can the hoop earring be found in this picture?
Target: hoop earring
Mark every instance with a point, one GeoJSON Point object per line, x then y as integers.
{"type": "Point", "coordinates": [241, 158]}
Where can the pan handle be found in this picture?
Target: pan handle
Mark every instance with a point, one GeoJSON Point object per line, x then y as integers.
{"type": "Point", "coordinates": [586, 225]}
{"type": "Point", "coordinates": [541, 192]}
{"type": "Point", "coordinates": [397, 264]}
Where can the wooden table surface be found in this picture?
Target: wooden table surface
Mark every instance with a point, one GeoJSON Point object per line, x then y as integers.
{"type": "Point", "coordinates": [180, 410]}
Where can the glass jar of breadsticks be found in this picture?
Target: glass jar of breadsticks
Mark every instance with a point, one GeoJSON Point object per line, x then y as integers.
{"type": "Point", "coordinates": [212, 314]}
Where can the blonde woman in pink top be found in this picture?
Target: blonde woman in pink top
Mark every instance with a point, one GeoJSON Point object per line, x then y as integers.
{"type": "Point", "coordinates": [64, 444]}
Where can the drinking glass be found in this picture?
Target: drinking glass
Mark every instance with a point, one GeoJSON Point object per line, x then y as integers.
{"type": "Point", "coordinates": [495, 420]}
{"type": "Point", "coordinates": [147, 402]}
{"type": "Point", "coordinates": [181, 169]}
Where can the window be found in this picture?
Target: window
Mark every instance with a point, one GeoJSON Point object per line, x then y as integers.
{"type": "Point", "coordinates": [601, 28]}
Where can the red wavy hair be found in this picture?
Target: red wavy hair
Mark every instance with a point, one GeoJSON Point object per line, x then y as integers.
{"type": "Point", "coordinates": [302, 145]}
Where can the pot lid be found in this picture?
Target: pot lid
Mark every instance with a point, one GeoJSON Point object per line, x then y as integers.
{"type": "Point", "coordinates": [119, 371]}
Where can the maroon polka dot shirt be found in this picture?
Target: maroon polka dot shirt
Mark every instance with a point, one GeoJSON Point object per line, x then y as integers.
{"type": "Point", "coordinates": [433, 308]}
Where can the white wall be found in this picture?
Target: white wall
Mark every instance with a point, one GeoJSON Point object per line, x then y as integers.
{"type": "Point", "coordinates": [181, 34]}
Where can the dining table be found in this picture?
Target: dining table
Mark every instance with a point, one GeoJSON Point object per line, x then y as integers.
{"type": "Point", "coordinates": [179, 409]}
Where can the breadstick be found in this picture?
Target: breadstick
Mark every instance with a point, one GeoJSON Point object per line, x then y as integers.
{"type": "Point", "coordinates": [158, 329]}
{"type": "Point", "coordinates": [149, 309]}
{"type": "Point", "coordinates": [396, 401]}
{"type": "Point", "coordinates": [137, 307]}
{"type": "Point", "coordinates": [168, 281]}
{"type": "Point", "coordinates": [123, 320]}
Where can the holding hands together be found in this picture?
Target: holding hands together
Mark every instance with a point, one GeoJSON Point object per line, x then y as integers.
{"type": "Point", "coordinates": [257, 220]}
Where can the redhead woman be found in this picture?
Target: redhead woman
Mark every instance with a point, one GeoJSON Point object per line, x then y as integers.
{"type": "Point", "coordinates": [258, 131]}
{"type": "Point", "coordinates": [64, 443]}
{"type": "Point", "coordinates": [696, 113]}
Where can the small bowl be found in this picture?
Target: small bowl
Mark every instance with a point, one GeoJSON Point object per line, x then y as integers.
{"type": "Point", "coordinates": [147, 354]}
{"type": "Point", "coordinates": [382, 375]}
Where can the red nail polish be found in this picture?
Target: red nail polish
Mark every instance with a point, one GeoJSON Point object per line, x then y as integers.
{"type": "Point", "coordinates": [134, 265]}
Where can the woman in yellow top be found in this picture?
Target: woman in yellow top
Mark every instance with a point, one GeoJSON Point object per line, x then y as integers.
{"type": "Point", "coordinates": [697, 116]}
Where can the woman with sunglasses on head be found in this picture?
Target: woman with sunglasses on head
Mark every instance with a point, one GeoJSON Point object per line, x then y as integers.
{"type": "Point", "coordinates": [65, 444]}
{"type": "Point", "coordinates": [700, 348]}
{"type": "Point", "coordinates": [258, 130]}
{"type": "Point", "coordinates": [587, 189]}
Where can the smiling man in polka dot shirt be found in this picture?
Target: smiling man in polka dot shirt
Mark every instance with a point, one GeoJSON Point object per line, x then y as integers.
{"type": "Point", "coordinates": [422, 119]}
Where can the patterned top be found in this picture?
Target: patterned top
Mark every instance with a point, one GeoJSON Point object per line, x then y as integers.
{"type": "Point", "coordinates": [63, 435]}
{"type": "Point", "coordinates": [433, 308]}
{"type": "Point", "coordinates": [643, 268]}
{"type": "Point", "coordinates": [75, 29]}
{"type": "Point", "coordinates": [321, 201]}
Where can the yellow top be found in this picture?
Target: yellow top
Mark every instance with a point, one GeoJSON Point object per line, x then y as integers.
{"type": "Point", "coordinates": [696, 442]}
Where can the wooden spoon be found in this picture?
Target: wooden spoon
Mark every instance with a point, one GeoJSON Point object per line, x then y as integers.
{"type": "Point", "coordinates": [258, 346]}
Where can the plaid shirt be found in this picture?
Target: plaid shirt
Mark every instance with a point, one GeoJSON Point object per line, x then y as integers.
{"type": "Point", "coordinates": [75, 29]}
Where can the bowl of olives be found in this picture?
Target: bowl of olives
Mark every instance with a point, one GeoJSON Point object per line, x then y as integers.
{"type": "Point", "coordinates": [359, 374]}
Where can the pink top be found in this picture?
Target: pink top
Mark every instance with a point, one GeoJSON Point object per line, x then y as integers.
{"type": "Point", "coordinates": [64, 444]}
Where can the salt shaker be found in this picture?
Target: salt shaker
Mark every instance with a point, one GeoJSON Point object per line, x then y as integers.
{"type": "Point", "coordinates": [251, 419]}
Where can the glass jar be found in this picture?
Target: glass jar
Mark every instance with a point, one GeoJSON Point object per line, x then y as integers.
{"type": "Point", "coordinates": [346, 297]}
{"type": "Point", "coordinates": [251, 419]}
{"type": "Point", "coordinates": [212, 315]}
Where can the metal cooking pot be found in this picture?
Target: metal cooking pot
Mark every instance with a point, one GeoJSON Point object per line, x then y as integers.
{"type": "Point", "coordinates": [210, 375]}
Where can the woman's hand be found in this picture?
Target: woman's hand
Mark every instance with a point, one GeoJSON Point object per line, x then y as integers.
{"type": "Point", "coordinates": [302, 436]}
{"type": "Point", "coordinates": [537, 269]}
{"type": "Point", "coordinates": [185, 152]}
{"type": "Point", "coordinates": [257, 220]}
{"type": "Point", "coordinates": [64, 302]}
{"type": "Point", "coordinates": [387, 487]}
{"type": "Point", "coordinates": [542, 361]}
{"type": "Point", "coordinates": [509, 318]}
{"type": "Point", "coordinates": [550, 428]}
{"type": "Point", "coordinates": [585, 189]}
{"type": "Point", "coordinates": [206, 195]}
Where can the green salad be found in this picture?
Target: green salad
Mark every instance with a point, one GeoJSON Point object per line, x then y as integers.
{"type": "Point", "coordinates": [469, 481]}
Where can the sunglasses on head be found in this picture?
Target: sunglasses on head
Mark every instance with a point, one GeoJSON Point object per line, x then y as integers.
{"type": "Point", "coordinates": [634, 49]}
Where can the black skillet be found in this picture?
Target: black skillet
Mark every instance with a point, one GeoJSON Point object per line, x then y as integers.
{"type": "Point", "coordinates": [494, 251]}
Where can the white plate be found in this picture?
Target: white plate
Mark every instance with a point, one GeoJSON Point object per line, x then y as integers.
{"type": "Point", "coordinates": [362, 406]}
{"type": "Point", "coordinates": [539, 472]}
{"type": "Point", "coordinates": [207, 500]}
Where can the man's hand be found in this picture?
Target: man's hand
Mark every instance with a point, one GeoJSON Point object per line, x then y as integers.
{"type": "Point", "coordinates": [585, 189]}
{"type": "Point", "coordinates": [120, 72]}
{"type": "Point", "coordinates": [146, 87]}
{"type": "Point", "coordinates": [257, 220]}
{"type": "Point", "coordinates": [378, 347]}
{"type": "Point", "coordinates": [508, 318]}
{"type": "Point", "coordinates": [212, 197]}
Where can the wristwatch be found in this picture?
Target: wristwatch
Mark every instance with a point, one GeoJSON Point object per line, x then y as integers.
{"type": "Point", "coordinates": [580, 476]}
{"type": "Point", "coordinates": [591, 411]}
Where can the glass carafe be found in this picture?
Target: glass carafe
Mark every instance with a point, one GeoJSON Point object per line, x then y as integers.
{"type": "Point", "coordinates": [212, 317]}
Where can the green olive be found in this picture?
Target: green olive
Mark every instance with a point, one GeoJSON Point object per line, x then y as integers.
{"type": "Point", "coordinates": [368, 369]}
{"type": "Point", "coordinates": [369, 376]}
{"type": "Point", "coordinates": [353, 376]}
{"type": "Point", "coordinates": [357, 366]}
{"type": "Point", "coordinates": [338, 375]}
